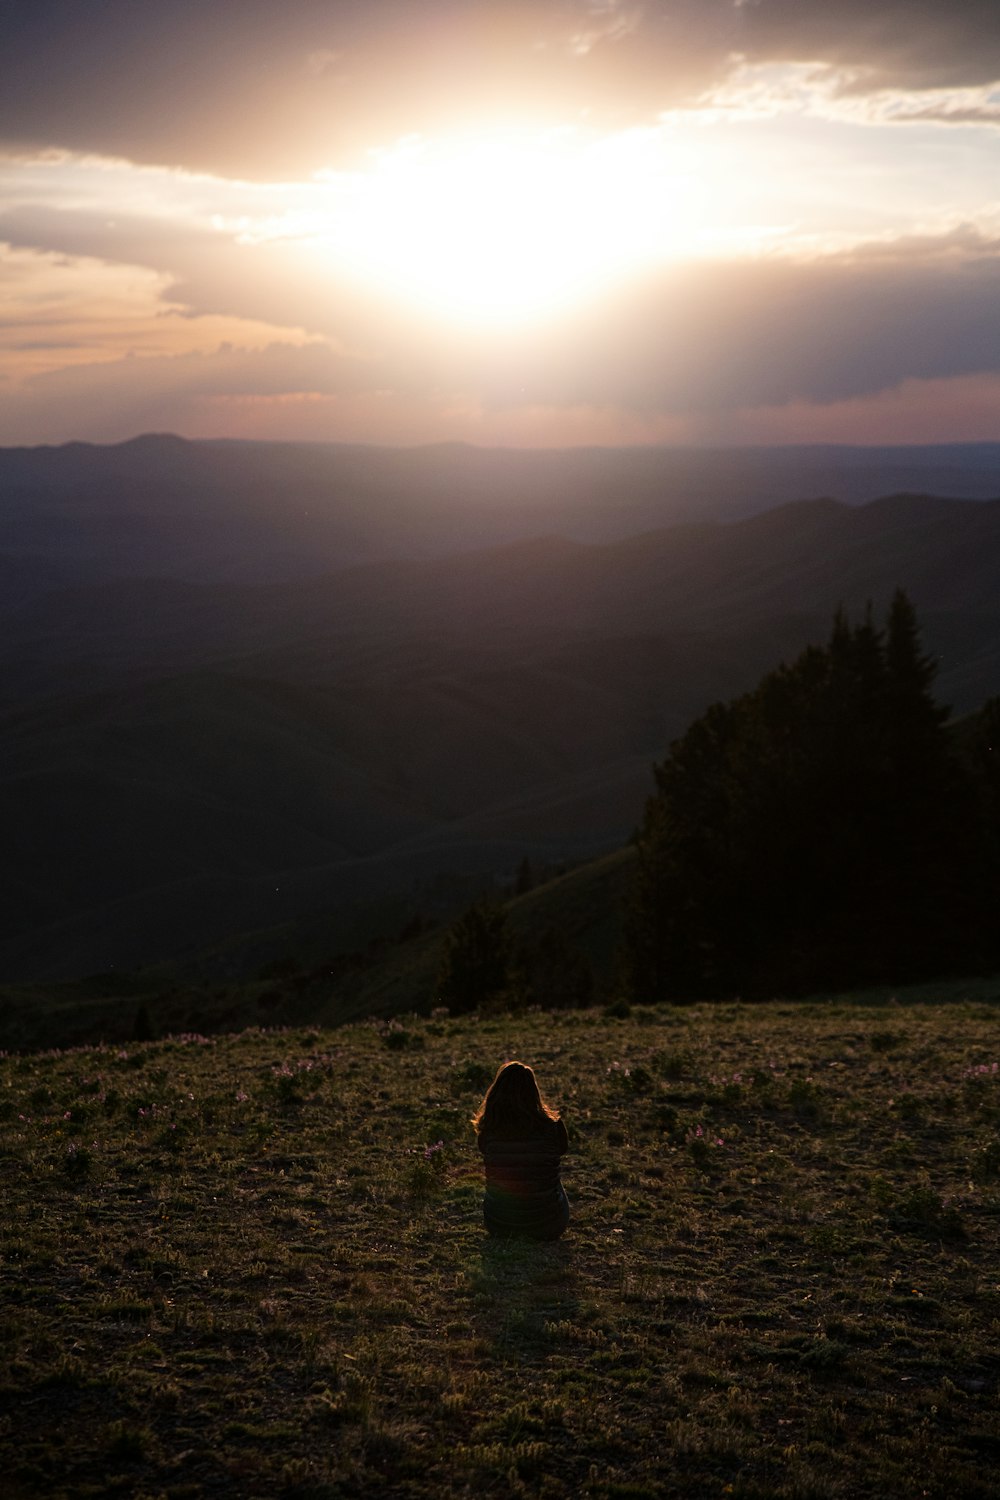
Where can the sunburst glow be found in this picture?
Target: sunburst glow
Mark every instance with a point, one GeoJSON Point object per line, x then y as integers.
{"type": "Point", "coordinates": [509, 229]}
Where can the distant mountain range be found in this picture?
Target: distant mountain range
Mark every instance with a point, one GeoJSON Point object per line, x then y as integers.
{"type": "Point", "coordinates": [266, 512]}
{"type": "Point", "coordinates": [206, 730]}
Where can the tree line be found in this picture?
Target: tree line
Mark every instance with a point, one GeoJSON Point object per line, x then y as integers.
{"type": "Point", "coordinates": [832, 827]}
{"type": "Point", "coordinates": [829, 828]}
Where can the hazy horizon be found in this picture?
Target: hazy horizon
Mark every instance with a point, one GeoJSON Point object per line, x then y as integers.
{"type": "Point", "coordinates": [539, 446]}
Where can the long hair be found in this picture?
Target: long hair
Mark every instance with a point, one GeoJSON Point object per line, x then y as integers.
{"type": "Point", "coordinates": [513, 1105]}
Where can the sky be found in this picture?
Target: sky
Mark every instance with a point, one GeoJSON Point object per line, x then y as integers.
{"type": "Point", "coordinates": [555, 222]}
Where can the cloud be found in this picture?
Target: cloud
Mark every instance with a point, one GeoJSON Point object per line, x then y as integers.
{"type": "Point", "coordinates": [115, 399]}
{"type": "Point", "coordinates": [127, 239]}
{"type": "Point", "coordinates": [979, 107]}
{"type": "Point", "coordinates": [243, 88]}
{"type": "Point", "coordinates": [689, 340]}
{"type": "Point", "coordinates": [696, 342]}
{"type": "Point", "coordinates": [291, 393]}
{"type": "Point", "coordinates": [705, 338]}
{"type": "Point", "coordinates": [900, 44]}
{"type": "Point", "coordinates": [239, 88]}
{"type": "Point", "coordinates": [962, 409]}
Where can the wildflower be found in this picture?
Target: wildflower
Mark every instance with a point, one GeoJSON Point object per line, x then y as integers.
{"type": "Point", "coordinates": [430, 1150]}
{"type": "Point", "coordinates": [981, 1070]}
{"type": "Point", "coordinates": [241, 1097]}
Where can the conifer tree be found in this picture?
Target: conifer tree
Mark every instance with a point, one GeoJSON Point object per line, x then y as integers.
{"type": "Point", "coordinates": [980, 748]}
{"type": "Point", "coordinates": [555, 974]}
{"type": "Point", "coordinates": [929, 824]}
{"type": "Point", "coordinates": [476, 964]}
{"type": "Point", "coordinates": [911, 672]}
{"type": "Point", "coordinates": [811, 832]}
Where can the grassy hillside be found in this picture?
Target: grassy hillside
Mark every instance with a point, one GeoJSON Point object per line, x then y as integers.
{"type": "Point", "coordinates": [585, 905]}
{"type": "Point", "coordinates": [254, 1264]}
{"type": "Point", "coordinates": [367, 961]}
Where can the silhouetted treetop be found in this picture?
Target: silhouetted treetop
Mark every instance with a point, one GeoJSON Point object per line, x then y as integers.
{"type": "Point", "coordinates": [821, 829]}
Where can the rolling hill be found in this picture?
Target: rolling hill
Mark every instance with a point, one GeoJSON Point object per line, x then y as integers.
{"type": "Point", "coordinates": [264, 512]}
{"type": "Point", "coordinates": [182, 760]}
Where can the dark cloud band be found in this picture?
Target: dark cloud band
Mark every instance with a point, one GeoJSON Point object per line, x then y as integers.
{"type": "Point", "coordinates": [251, 88]}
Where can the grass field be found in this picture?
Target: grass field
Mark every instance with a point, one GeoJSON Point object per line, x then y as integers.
{"type": "Point", "coordinates": [253, 1264]}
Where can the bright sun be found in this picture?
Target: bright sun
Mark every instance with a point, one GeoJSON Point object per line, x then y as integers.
{"type": "Point", "coordinates": [511, 229]}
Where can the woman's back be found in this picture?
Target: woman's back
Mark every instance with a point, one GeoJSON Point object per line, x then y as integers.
{"type": "Point", "coordinates": [521, 1148]}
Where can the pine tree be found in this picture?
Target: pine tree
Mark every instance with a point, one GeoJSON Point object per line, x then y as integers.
{"type": "Point", "coordinates": [930, 811]}
{"type": "Point", "coordinates": [911, 672]}
{"type": "Point", "coordinates": [980, 749]}
{"type": "Point", "coordinates": [810, 832]}
{"type": "Point", "coordinates": [476, 964]}
{"type": "Point", "coordinates": [556, 975]}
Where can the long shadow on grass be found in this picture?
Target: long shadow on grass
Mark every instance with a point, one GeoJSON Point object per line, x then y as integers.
{"type": "Point", "coordinates": [522, 1291]}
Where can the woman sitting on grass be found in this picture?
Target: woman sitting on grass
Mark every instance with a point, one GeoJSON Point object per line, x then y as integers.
{"type": "Point", "coordinates": [521, 1139]}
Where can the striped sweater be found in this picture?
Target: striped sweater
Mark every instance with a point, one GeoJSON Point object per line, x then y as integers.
{"type": "Point", "coordinates": [523, 1190]}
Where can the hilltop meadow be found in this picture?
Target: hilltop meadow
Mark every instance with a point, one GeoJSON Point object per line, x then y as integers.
{"type": "Point", "coordinates": [253, 1264]}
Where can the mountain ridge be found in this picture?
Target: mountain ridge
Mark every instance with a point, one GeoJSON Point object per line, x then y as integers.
{"type": "Point", "coordinates": [182, 760]}
{"type": "Point", "coordinates": [218, 510]}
